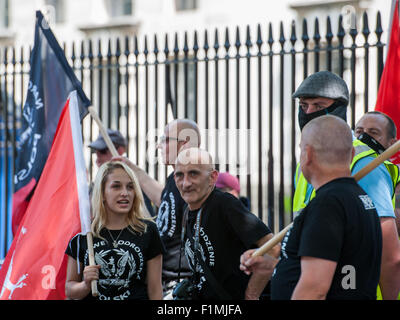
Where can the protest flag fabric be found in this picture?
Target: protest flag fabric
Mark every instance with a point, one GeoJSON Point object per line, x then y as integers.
{"type": "Point", "coordinates": [35, 265]}
{"type": "Point", "coordinates": [388, 100]}
{"type": "Point", "coordinates": [51, 80]}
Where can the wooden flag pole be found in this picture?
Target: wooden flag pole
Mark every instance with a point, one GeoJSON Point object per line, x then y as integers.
{"type": "Point", "coordinates": [89, 235]}
{"type": "Point", "coordinates": [387, 154]}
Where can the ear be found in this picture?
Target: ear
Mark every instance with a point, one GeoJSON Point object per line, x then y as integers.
{"type": "Point", "coordinates": [353, 152]}
{"type": "Point", "coordinates": [214, 177]}
{"type": "Point", "coordinates": [309, 154]}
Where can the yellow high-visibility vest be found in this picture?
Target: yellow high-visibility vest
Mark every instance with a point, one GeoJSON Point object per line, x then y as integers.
{"type": "Point", "coordinates": [361, 151]}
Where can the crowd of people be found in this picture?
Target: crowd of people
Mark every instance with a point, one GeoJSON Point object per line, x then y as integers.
{"type": "Point", "coordinates": [194, 237]}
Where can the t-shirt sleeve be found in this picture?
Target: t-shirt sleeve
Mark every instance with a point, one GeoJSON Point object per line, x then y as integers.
{"type": "Point", "coordinates": [323, 230]}
{"type": "Point", "coordinates": [248, 227]}
{"type": "Point", "coordinates": [378, 185]}
{"type": "Point", "coordinates": [156, 246]}
{"type": "Point", "coordinates": [73, 248]}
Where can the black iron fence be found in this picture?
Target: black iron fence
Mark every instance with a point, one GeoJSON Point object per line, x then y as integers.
{"type": "Point", "coordinates": [236, 84]}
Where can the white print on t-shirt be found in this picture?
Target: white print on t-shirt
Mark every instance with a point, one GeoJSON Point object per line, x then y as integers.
{"type": "Point", "coordinates": [113, 270]}
{"type": "Point", "coordinates": [165, 215]}
{"type": "Point", "coordinates": [207, 254]}
{"type": "Point", "coordinates": [367, 202]}
{"type": "Point", "coordinates": [284, 243]}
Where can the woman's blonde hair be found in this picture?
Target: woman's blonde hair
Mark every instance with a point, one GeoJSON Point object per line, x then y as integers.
{"type": "Point", "coordinates": [138, 212]}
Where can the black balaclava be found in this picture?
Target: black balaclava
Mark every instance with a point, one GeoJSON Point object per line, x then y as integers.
{"type": "Point", "coordinates": [371, 142]}
{"type": "Point", "coordinates": [336, 109]}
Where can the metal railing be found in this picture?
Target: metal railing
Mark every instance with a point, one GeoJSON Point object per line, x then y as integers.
{"type": "Point", "coordinates": [238, 89]}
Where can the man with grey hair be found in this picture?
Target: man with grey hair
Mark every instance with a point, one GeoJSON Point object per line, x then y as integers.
{"type": "Point", "coordinates": [334, 249]}
{"type": "Point", "coordinates": [177, 135]}
{"type": "Point", "coordinates": [218, 228]}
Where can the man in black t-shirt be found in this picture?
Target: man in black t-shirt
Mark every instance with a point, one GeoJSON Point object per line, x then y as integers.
{"type": "Point", "coordinates": [333, 250]}
{"type": "Point", "coordinates": [219, 228]}
{"type": "Point", "coordinates": [178, 134]}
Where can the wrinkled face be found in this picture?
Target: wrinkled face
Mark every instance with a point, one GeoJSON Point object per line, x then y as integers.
{"type": "Point", "coordinates": [118, 192]}
{"type": "Point", "coordinates": [194, 182]}
{"type": "Point", "coordinates": [376, 126]}
{"type": "Point", "coordinates": [169, 144]}
{"type": "Point", "coordinates": [310, 105]}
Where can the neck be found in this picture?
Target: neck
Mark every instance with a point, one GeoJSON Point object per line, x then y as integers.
{"type": "Point", "coordinates": [116, 222]}
{"type": "Point", "coordinates": [324, 176]}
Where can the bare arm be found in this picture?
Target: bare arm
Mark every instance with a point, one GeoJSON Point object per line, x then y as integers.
{"type": "Point", "coordinates": [151, 187]}
{"type": "Point", "coordinates": [261, 268]}
{"type": "Point", "coordinates": [154, 285]}
{"type": "Point", "coordinates": [76, 286]}
{"type": "Point", "coordinates": [315, 279]}
{"type": "Point", "coordinates": [390, 268]}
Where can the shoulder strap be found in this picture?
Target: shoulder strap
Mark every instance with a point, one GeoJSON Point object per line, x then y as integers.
{"type": "Point", "coordinates": [218, 289]}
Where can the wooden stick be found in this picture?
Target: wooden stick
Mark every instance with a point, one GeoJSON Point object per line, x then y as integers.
{"type": "Point", "coordinates": [114, 152]}
{"type": "Point", "coordinates": [103, 132]}
{"type": "Point", "coordinates": [89, 238]}
{"type": "Point", "coordinates": [390, 152]}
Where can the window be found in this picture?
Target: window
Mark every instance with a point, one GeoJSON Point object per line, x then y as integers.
{"type": "Point", "coordinates": [120, 8]}
{"type": "Point", "coordinates": [182, 5]}
{"type": "Point", "coordinates": [55, 11]}
{"type": "Point", "coordinates": [4, 14]}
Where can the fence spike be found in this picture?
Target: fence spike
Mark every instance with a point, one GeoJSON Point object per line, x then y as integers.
{"type": "Point", "coordinates": [365, 27]}
{"type": "Point", "coordinates": [73, 56]}
{"type": "Point", "coordinates": [304, 36]}
{"type": "Point", "coordinates": [195, 43]}
{"type": "Point", "coordinates": [155, 50]}
{"type": "Point", "coordinates": [216, 41]}
{"type": "Point", "coordinates": [166, 50]}
{"type": "Point", "coordinates": [145, 49]}
{"type": "Point", "coordinates": [109, 54]}
{"type": "Point", "coordinates": [270, 36]}
{"type": "Point", "coordinates": [259, 37]}
{"type": "Point", "coordinates": [317, 36]}
{"type": "Point", "coordinates": [185, 43]}
{"type": "Point", "coordinates": [136, 47]}
{"type": "Point", "coordinates": [329, 34]}
{"type": "Point", "coordinates": [281, 35]}
{"type": "Point", "coordinates": [90, 48]}
{"type": "Point", "coordinates": [237, 42]}
{"type": "Point", "coordinates": [82, 56]}
{"type": "Point", "coordinates": [176, 48]}
{"type": "Point", "coordinates": [206, 46]}
{"type": "Point", "coordinates": [126, 51]}
{"type": "Point", "coordinates": [341, 32]}
{"type": "Point", "coordinates": [248, 38]}
{"type": "Point", "coordinates": [293, 37]}
{"type": "Point", "coordinates": [118, 48]}
{"type": "Point", "coordinates": [227, 44]}
{"type": "Point", "coordinates": [378, 29]}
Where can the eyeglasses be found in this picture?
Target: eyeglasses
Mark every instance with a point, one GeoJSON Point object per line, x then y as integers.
{"type": "Point", "coordinates": [166, 139]}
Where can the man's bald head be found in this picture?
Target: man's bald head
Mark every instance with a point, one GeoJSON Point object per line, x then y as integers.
{"type": "Point", "coordinates": [196, 156]}
{"type": "Point", "coordinates": [185, 130]}
{"type": "Point", "coordinates": [195, 176]}
{"type": "Point", "coordinates": [331, 139]}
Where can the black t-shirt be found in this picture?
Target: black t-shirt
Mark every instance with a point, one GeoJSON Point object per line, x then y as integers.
{"type": "Point", "coordinates": [169, 223]}
{"type": "Point", "coordinates": [123, 269]}
{"type": "Point", "coordinates": [227, 230]}
{"type": "Point", "coordinates": [340, 224]}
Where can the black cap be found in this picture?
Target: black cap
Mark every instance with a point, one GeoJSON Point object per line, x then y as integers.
{"type": "Point", "coordinates": [115, 136]}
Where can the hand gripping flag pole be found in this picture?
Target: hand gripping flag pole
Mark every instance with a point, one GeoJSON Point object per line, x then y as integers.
{"type": "Point", "coordinates": [387, 154]}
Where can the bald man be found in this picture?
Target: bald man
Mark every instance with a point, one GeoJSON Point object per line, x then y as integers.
{"type": "Point", "coordinates": [334, 249]}
{"type": "Point", "coordinates": [178, 134]}
{"type": "Point", "coordinates": [218, 229]}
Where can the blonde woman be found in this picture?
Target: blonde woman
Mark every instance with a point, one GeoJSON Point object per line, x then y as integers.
{"type": "Point", "coordinates": [127, 246]}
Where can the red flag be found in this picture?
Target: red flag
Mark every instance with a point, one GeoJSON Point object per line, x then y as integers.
{"type": "Point", "coordinates": [35, 265]}
{"type": "Point", "coordinates": [388, 100]}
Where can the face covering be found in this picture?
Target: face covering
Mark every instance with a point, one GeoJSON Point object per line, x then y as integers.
{"type": "Point", "coordinates": [336, 109]}
{"type": "Point", "coordinates": [371, 142]}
